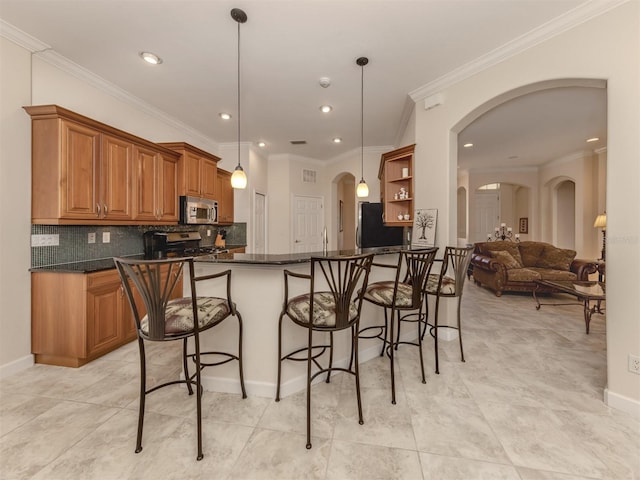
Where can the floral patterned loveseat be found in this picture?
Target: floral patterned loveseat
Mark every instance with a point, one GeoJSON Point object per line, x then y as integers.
{"type": "Point", "coordinates": [506, 266]}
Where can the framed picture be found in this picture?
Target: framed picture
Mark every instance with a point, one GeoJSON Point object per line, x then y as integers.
{"type": "Point", "coordinates": [523, 225]}
{"type": "Point", "coordinates": [424, 228]}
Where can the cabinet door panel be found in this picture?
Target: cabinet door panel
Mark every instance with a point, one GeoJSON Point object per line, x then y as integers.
{"type": "Point", "coordinates": [80, 171]}
{"type": "Point", "coordinates": [224, 197]}
{"type": "Point", "coordinates": [146, 186]}
{"type": "Point", "coordinates": [104, 326]}
{"type": "Point", "coordinates": [117, 172]}
{"type": "Point", "coordinates": [168, 188]}
{"type": "Point", "coordinates": [192, 174]}
{"type": "Point", "coordinates": [209, 177]}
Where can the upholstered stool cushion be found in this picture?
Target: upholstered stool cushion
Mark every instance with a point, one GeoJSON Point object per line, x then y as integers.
{"type": "Point", "coordinates": [179, 314]}
{"type": "Point", "coordinates": [448, 286]}
{"type": "Point", "coordinates": [382, 293]}
{"type": "Point", "coordinates": [324, 309]}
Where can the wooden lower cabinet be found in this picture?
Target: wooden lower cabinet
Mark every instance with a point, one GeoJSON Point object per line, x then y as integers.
{"type": "Point", "coordinates": [77, 317]}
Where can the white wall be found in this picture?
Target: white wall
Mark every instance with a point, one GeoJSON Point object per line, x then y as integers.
{"type": "Point", "coordinates": [578, 168]}
{"type": "Point", "coordinates": [606, 47]}
{"type": "Point", "coordinates": [15, 208]}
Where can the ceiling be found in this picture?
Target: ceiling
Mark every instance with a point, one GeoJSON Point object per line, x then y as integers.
{"type": "Point", "coordinates": [288, 45]}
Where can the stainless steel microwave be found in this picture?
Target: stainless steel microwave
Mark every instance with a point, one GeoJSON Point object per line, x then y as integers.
{"type": "Point", "coordinates": [195, 210]}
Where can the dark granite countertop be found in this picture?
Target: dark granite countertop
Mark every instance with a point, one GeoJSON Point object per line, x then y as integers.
{"type": "Point", "coordinates": [289, 258]}
{"type": "Point", "coordinates": [91, 266]}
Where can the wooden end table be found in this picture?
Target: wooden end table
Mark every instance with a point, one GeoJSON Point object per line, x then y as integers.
{"type": "Point", "coordinates": [585, 292]}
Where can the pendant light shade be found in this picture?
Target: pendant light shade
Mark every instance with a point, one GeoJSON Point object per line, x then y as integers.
{"type": "Point", "coordinates": [363, 188]}
{"type": "Point", "coordinates": [239, 178]}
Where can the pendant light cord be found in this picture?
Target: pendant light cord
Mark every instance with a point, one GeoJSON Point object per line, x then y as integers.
{"type": "Point", "coordinates": [238, 93]}
{"type": "Point", "coordinates": [362, 123]}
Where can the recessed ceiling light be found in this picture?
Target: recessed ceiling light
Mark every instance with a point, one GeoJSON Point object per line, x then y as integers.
{"type": "Point", "coordinates": [337, 140]}
{"type": "Point", "coordinates": [468, 145]}
{"type": "Point", "coordinates": [592, 139]}
{"type": "Point", "coordinates": [326, 108]}
{"type": "Point", "coordinates": [225, 116]}
{"type": "Point", "coordinates": [262, 144]}
{"type": "Point", "coordinates": [150, 58]}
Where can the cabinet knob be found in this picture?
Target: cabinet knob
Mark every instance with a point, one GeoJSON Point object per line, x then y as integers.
{"type": "Point", "coordinates": [105, 209]}
{"type": "Point", "coordinates": [98, 209]}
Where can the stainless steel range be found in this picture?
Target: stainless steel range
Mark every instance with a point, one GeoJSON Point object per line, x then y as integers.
{"type": "Point", "coordinates": [159, 244]}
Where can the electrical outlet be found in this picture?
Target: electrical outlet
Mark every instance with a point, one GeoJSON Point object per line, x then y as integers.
{"type": "Point", "coordinates": [634, 364]}
{"type": "Point", "coordinates": [208, 232]}
{"type": "Point", "coordinates": [91, 238]}
{"type": "Point", "coordinates": [106, 237]}
{"type": "Point", "coordinates": [45, 240]}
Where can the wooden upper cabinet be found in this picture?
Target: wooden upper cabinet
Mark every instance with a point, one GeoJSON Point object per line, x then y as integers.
{"type": "Point", "coordinates": [116, 176]}
{"type": "Point", "coordinates": [168, 188]}
{"type": "Point", "coordinates": [156, 186]}
{"type": "Point", "coordinates": [209, 178]}
{"type": "Point", "coordinates": [85, 172]}
{"type": "Point", "coordinates": [225, 197]}
{"type": "Point", "coordinates": [197, 170]}
{"type": "Point", "coordinates": [396, 186]}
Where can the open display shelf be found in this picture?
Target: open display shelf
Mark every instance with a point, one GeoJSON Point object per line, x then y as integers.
{"type": "Point", "coordinates": [396, 186]}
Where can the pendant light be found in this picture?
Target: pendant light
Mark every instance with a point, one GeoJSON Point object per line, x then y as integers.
{"type": "Point", "coordinates": [239, 178]}
{"type": "Point", "coordinates": [362, 190]}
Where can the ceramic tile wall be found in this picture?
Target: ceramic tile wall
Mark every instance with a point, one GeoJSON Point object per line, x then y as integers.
{"type": "Point", "coordinates": [125, 240]}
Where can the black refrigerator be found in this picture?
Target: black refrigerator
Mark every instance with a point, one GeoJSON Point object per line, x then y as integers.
{"type": "Point", "coordinates": [371, 230]}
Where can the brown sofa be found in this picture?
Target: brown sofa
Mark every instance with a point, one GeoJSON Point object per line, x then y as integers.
{"type": "Point", "coordinates": [515, 266]}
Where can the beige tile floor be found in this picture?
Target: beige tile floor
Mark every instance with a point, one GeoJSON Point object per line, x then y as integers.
{"type": "Point", "coordinates": [527, 404]}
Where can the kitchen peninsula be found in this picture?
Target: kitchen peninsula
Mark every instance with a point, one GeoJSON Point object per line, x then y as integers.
{"type": "Point", "coordinates": [257, 288]}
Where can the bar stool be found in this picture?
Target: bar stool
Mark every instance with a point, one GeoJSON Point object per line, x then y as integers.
{"type": "Point", "coordinates": [449, 283]}
{"type": "Point", "coordinates": [402, 294]}
{"type": "Point", "coordinates": [334, 303]}
{"type": "Point", "coordinates": [149, 285]}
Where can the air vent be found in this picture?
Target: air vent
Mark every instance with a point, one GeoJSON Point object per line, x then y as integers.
{"type": "Point", "coordinates": [308, 176]}
{"type": "Point", "coordinates": [298, 142]}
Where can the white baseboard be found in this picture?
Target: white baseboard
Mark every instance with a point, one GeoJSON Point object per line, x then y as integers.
{"type": "Point", "coordinates": [292, 385]}
{"type": "Point", "coordinates": [622, 403]}
{"type": "Point", "coordinates": [16, 366]}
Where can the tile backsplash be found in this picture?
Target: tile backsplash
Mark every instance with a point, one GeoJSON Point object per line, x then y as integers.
{"type": "Point", "coordinates": [125, 240]}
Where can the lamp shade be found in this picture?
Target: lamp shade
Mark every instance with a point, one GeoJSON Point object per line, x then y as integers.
{"type": "Point", "coordinates": [601, 221]}
{"type": "Point", "coordinates": [238, 178]}
{"type": "Point", "coordinates": [363, 189]}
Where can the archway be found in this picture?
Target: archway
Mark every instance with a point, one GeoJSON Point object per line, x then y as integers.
{"type": "Point", "coordinates": [534, 171]}
{"type": "Point", "coordinates": [345, 218]}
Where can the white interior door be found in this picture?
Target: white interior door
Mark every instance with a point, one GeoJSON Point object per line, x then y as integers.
{"type": "Point", "coordinates": [487, 215]}
{"type": "Point", "coordinates": [259, 223]}
{"type": "Point", "coordinates": [308, 222]}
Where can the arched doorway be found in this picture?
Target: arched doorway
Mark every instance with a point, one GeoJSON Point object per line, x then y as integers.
{"type": "Point", "coordinates": [345, 220]}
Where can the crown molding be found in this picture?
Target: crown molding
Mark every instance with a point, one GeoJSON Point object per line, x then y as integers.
{"type": "Point", "coordinates": [552, 28]}
{"type": "Point", "coordinates": [21, 38]}
{"type": "Point", "coordinates": [66, 65]}
{"type": "Point", "coordinates": [349, 155]}
{"type": "Point", "coordinates": [46, 53]}
{"type": "Point", "coordinates": [479, 171]}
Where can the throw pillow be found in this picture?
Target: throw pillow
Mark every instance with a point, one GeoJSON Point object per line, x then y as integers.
{"type": "Point", "coordinates": [556, 258]}
{"type": "Point", "coordinates": [531, 252]}
{"type": "Point", "coordinates": [510, 247]}
{"type": "Point", "coordinates": [506, 259]}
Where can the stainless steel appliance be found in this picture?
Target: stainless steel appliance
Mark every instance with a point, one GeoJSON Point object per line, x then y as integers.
{"type": "Point", "coordinates": [176, 244]}
{"type": "Point", "coordinates": [371, 229]}
{"type": "Point", "coordinates": [198, 211]}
